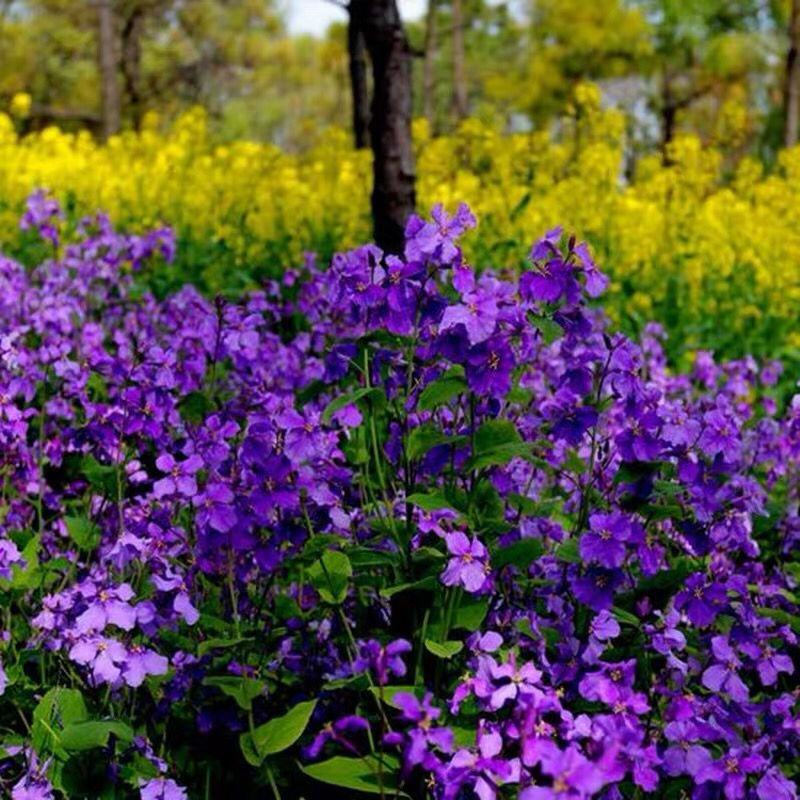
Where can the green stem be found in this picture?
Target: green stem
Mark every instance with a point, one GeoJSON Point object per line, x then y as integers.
{"type": "Point", "coordinates": [271, 778]}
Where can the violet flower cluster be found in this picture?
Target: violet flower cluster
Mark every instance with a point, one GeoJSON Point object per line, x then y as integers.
{"type": "Point", "coordinates": [396, 525]}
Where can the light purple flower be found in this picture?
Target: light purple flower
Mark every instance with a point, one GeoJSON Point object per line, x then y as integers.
{"type": "Point", "coordinates": [468, 566]}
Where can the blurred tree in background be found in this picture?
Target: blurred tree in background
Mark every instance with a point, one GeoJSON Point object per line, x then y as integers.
{"type": "Point", "coordinates": [727, 70]}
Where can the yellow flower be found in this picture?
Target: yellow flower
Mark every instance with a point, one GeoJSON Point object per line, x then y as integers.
{"type": "Point", "coordinates": [20, 105]}
{"type": "Point", "coordinates": [718, 259]}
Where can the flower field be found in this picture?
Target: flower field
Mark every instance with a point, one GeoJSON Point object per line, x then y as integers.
{"type": "Point", "coordinates": [690, 245]}
{"type": "Point", "coordinates": [418, 526]}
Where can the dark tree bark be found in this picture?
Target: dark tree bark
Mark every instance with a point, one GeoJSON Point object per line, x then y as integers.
{"type": "Point", "coordinates": [393, 189]}
{"type": "Point", "coordinates": [460, 101]}
{"type": "Point", "coordinates": [791, 89]}
{"type": "Point", "coordinates": [669, 114]}
{"type": "Point", "coordinates": [108, 63]}
{"type": "Point", "coordinates": [131, 37]}
{"type": "Point", "coordinates": [429, 64]}
{"type": "Point", "coordinates": [359, 90]}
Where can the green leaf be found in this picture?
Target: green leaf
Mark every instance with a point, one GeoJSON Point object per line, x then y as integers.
{"type": "Point", "coordinates": [568, 551]}
{"type": "Point", "coordinates": [242, 689]}
{"type": "Point", "coordinates": [357, 774]}
{"type": "Point", "coordinates": [427, 554]}
{"type": "Point", "coordinates": [521, 553]}
{"type": "Point", "coordinates": [358, 683]}
{"type": "Point", "coordinates": [425, 437]}
{"type": "Point", "coordinates": [195, 407]}
{"type": "Point", "coordinates": [97, 387]}
{"type": "Point", "coordinates": [667, 581]}
{"type": "Point", "coordinates": [278, 734]}
{"type": "Point", "coordinates": [430, 501]}
{"type": "Point", "coordinates": [443, 649]}
{"type": "Point", "coordinates": [500, 455]}
{"type": "Point", "coordinates": [29, 576]}
{"type": "Point", "coordinates": [330, 576]}
{"type": "Point", "coordinates": [496, 433]}
{"type": "Point", "coordinates": [497, 442]}
{"type": "Point", "coordinates": [660, 512]}
{"type": "Point", "coordinates": [367, 558]}
{"type": "Point", "coordinates": [90, 734]}
{"type": "Point", "coordinates": [248, 748]}
{"type": "Point", "coordinates": [442, 390]}
{"type": "Point", "coordinates": [429, 582]}
{"type": "Point", "coordinates": [59, 707]}
{"type": "Point", "coordinates": [548, 327]}
{"type": "Point", "coordinates": [316, 546]}
{"type": "Point", "coordinates": [632, 471]}
{"type": "Point", "coordinates": [100, 476]}
{"type": "Point", "coordinates": [83, 532]}
{"type": "Point", "coordinates": [470, 614]}
{"type": "Point", "coordinates": [220, 643]}
{"type": "Point", "coordinates": [486, 506]}
{"type": "Point", "coordinates": [625, 617]}
{"type": "Point", "coordinates": [463, 736]}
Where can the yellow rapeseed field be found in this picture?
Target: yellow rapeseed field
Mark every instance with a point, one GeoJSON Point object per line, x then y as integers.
{"type": "Point", "coordinates": [711, 251]}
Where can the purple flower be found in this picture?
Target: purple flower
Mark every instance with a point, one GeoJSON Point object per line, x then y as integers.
{"type": "Point", "coordinates": [489, 366]}
{"type": "Point", "coordinates": [499, 683]}
{"type": "Point", "coordinates": [34, 784]}
{"type": "Point", "coordinates": [303, 435]}
{"type": "Point", "coordinates": [771, 664]}
{"type": "Point", "coordinates": [573, 776]}
{"type": "Point", "coordinates": [485, 770]}
{"type": "Point", "coordinates": [730, 771]}
{"type": "Point", "coordinates": [684, 755]}
{"type": "Point", "coordinates": [548, 281]}
{"type": "Point", "coordinates": [595, 588]}
{"type": "Point", "coordinates": [604, 626]}
{"type": "Point", "coordinates": [774, 785]}
{"type": "Point", "coordinates": [605, 543]}
{"type": "Point", "coordinates": [435, 241]}
{"type": "Point", "coordinates": [596, 281]}
{"type": "Point", "coordinates": [424, 737]}
{"type": "Point", "coordinates": [162, 789]}
{"type": "Point", "coordinates": [382, 661]}
{"type": "Point", "coordinates": [339, 732]}
{"type": "Point", "coordinates": [720, 435]}
{"type": "Point", "coordinates": [477, 312]}
{"type": "Point", "coordinates": [180, 476]}
{"type": "Point", "coordinates": [215, 507]}
{"type": "Point", "coordinates": [42, 213]}
{"type": "Point", "coordinates": [108, 607]}
{"type": "Point", "coordinates": [610, 683]}
{"type": "Point", "coordinates": [181, 602]}
{"type": "Point", "coordinates": [703, 599]}
{"type": "Point", "coordinates": [468, 566]}
{"type": "Point", "coordinates": [106, 657]}
{"type": "Point", "coordinates": [723, 676]}
{"type": "Point", "coordinates": [571, 425]}
{"type": "Point", "coordinates": [141, 662]}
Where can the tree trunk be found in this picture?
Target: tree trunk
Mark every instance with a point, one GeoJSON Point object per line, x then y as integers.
{"type": "Point", "coordinates": [791, 90]}
{"type": "Point", "coordinates": [131, 63]}
{"type": "Point", "coordinates": [669, 116]}
{"type": "Point", "coordinates": [108, 62]}
{"type": "Point", "coordinates": [459, 62]}
{"type": "Point", "coordinates": [393, 192]}
{"type": "Point", "coordinates": [357, 52]}
{"type": "Point", "coordinates": [429, 65]}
